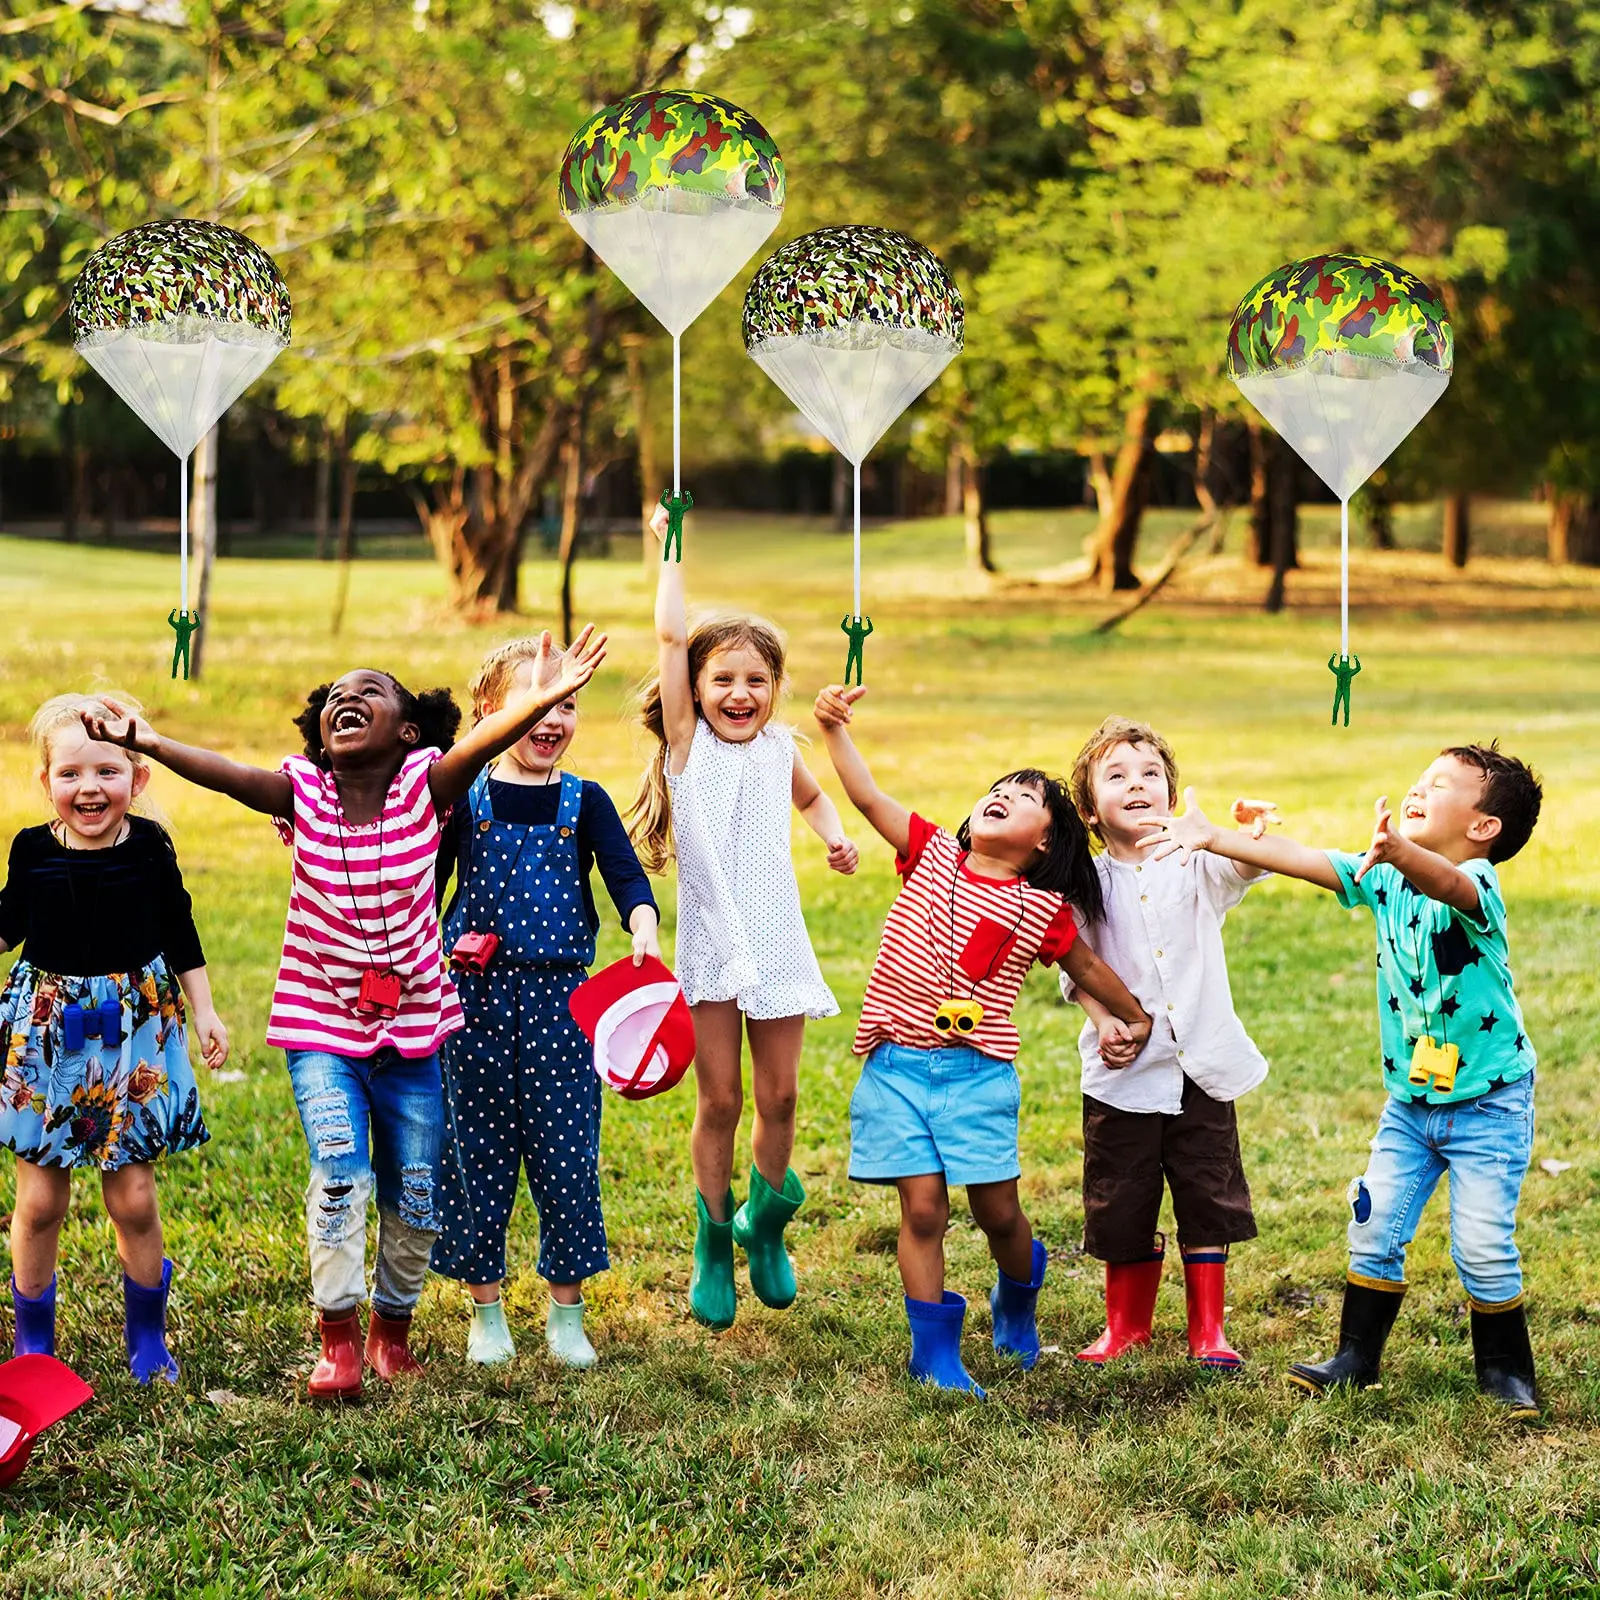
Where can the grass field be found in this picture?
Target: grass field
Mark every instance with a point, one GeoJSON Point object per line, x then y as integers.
{"type": "Point", "coordinates": [790, 1455]}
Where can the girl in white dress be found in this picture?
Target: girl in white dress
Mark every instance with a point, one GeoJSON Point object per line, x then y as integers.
{"type": "Point", "coordinates": [718, 795]}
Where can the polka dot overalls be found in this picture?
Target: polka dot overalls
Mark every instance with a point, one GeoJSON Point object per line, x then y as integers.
{"type": "Point", "coordinates": [520, 1087]}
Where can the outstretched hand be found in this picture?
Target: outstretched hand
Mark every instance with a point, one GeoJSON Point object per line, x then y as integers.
{"type": "Point", "coordinates": [1181, 835]}
{"type": "Point", "coordinates": [1257, 816]}
{"type": "Point", "coordinates": [1384, 840]}
{"type": "Point", "coordinates": [578, 665]}
{"type": "Point", "coordinates": [122, 728]}
{"type": "Point", "coordinates": [833, 707]}
{"type": "Point", "coordinates": [660, 518]}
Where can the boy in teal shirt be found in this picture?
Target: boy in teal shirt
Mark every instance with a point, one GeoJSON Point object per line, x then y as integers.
{"type": "Point", "coordinates": [1457, 1062]}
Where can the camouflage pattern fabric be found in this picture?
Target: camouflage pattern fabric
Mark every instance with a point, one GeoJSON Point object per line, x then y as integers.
{"type": "Point", "coordinates": [1339, 304]}
{"type": "Point", "coordinates": [670, 139]}
{"type": "Point", "coordinates": [155, 276]}
{"type": "Point", "coordinates": [829, 280]}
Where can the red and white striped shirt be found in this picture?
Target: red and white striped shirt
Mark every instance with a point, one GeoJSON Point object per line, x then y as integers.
{"type": "Point", "coordinates": [359, 898]}
{"type": "Point", "coordinates": [999, 926]}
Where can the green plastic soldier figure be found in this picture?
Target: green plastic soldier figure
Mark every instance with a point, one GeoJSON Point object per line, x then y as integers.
{"type": "Point", "coordinates": [1344, 669]}
{"type": "Point", "coordinates": [185, 624]}
{"type": "Point", "coordinates": [858, 628]}
{"type": "Point", "coordinates": [676, 504]}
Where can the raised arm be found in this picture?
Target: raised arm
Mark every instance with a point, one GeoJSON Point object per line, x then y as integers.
{"type": "Point", "coordinates": [452, 774]}
{"type": "Point", "coordinates": [1193, 830]}
{"type": "Point", "coordinates": [1425, 870]}
{"type": "Point", "coordinates": [255, 787]}
{"type": "Point", "coordinates": [672, 653]}
{"type": "Point", "coordinates": [891, 819]}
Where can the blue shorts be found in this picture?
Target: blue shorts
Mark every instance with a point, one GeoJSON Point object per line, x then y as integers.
{"type": "Point", "coordinates": [922, 1111]}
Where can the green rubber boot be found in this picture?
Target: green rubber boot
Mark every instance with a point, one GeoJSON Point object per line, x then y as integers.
{"type": "Point", "coordinates": [758, 1228]}
{"type": "Point", "coordinates": [564, 1336]}
{"type": "Point", "coordinates": [711, 1295]}
{"type": "Point", "coordinates": [488, 1337]}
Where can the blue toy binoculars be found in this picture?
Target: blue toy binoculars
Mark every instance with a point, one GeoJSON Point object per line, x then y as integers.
{"type": "Point", "coordinates": [102, 1022]}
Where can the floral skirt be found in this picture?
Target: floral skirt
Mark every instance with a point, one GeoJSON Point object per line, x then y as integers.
{"type": "Point", "coordinates": [98, 1105]}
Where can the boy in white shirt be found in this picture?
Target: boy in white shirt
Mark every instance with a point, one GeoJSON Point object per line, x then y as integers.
{"type": "Point", "coordinates": [1169, 1116]}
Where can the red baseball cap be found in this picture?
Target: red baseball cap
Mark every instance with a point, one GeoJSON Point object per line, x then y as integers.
{"type": "Point", "coordinates": [36, 1392]}
{"type": "Point", "coordinates": [640, 1026]}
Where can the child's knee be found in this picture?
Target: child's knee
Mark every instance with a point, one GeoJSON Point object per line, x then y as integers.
{"type": "Point", "coordinates": [776, 1103]}
{"type": "Point", "coordinates": [42, 1205]}
{"type": "Point", "coordinates": [1000, 1216]}
{"type": "Point", "coordinates": [720, 1106]}
{"type": "Point", "coordinates": [336, 1206]}
{"type": "Point", "coordinates": [925, 1219]}
{"type": "Point", "coordinates": [130, 1200]}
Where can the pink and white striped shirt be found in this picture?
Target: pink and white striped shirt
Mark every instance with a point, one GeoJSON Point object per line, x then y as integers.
{"type": "Point", "coordinates": [352, 907]}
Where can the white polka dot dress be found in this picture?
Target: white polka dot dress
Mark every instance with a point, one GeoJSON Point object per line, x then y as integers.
{"type": "Point", "coordinates": [741, 933]}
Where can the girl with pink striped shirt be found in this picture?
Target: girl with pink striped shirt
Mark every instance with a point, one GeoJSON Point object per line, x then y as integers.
{"type": "Point", "coordinates": [361, 1002]}
{"type": "Point", "coordinates": [938, 1098]}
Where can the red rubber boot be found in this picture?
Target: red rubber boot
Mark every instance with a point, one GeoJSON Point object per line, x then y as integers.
{"type": "Point", "coordinates": [1131, 1288]}
{"type": "Point", "coordinates": [1204, 1275]}
{"type": "Point", "coordinates": [337, 1375]}
{"type": "Point", "coordinates": [389, 1347]}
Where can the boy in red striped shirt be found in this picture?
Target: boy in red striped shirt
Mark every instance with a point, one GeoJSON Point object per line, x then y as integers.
{"type": "Point", "coordinates": [938, 1096]}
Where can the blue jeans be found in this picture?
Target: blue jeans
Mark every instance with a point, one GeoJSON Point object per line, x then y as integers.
{"type": "Point", "coordinates": [370, 1121]}
{"type": "Point", "coordinates": [1484, 1144]}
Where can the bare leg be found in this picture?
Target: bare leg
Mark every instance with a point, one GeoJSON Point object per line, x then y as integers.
{"type": "Point", "coordinates": [570, 1294]}
{"type": "Point", "coordinates": [996, 1209]}
{"type": "Point", "coordinates": [924, 1217]}
{"type": "Point", "coordinates": [774, 1080]}
{"type": "Point", "coordinates": [719, 1100]}
{"type": "Point", "coordinates": [43, 1195]}
{"type": "Point", "coordinates": [484, 1293]}
{"type": "Point", "coordinates": [130, 1197]}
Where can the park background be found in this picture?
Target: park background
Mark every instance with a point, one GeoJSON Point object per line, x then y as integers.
{"type": "Point", "coordinates": [456, 449]}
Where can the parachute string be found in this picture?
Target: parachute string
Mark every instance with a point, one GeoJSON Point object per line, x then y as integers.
{"type": "Point", "coordinates": [857, 611]}
{"type": "Point", "coordinates": [183, 532]}
{"type": "Point", "coordinates": [677, 400]}
{"type": "Point", "coordinates": [1344, 577]}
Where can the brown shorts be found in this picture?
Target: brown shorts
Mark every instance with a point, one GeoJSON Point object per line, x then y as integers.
{"type": "Point", "coordinates": [1128, 1154]}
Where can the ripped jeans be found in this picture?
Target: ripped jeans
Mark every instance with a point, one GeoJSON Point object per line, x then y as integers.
{"type": "Point", "coordinates": [369, 1121]}
{"type": "Point", "coordinates": [1484, 1144]}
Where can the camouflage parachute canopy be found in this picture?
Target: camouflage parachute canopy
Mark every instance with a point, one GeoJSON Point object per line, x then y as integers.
{"type": "Point", "coordinates": [1340, 312]}
{"type": "Point", "coordinates": [850, 285]}
{"type": "Point", "coordinates": [177, 281]}
{"type": "Point", "coordinates": [670, 141]}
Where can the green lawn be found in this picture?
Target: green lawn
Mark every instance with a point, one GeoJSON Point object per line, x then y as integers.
{"type": "Point", "coordinates": [790, 1455]}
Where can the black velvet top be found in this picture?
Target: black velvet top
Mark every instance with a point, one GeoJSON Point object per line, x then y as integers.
{"type": "Point", "coordinates": [86, 913]}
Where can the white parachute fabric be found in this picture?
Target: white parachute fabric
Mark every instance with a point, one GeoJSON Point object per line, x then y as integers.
{"type": "Point", "coordinates": [181, 375]}
{"type": "Point", "coordinates": [851, 382]}
{"type": "Point", "coordinates": [676, 249]}
{"type": "Point", "coordinates": [1345, 414]}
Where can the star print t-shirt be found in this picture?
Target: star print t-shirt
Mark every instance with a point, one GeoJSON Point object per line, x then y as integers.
{"type": "Point", "coordinates": [1444, 974]}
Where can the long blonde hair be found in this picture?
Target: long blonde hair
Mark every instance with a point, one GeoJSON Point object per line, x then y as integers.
{"type": "Point", "coordinates": [650, 815]}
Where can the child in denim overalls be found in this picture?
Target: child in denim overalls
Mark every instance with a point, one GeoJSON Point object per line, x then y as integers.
{"type": "Point", "coordinates": [520, 1089]}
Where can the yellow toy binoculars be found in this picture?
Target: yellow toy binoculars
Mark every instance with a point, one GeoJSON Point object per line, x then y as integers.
{"type": "Point", "coordinates": [958, 1016]}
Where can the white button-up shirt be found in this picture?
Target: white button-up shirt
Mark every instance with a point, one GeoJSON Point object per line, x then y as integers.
{"type": "Point", "coordinates": [1162, 935]}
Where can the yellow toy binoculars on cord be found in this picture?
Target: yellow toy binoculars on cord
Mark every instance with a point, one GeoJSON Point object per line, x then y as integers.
{"type": "Point", "coordinates": [958, 1016]}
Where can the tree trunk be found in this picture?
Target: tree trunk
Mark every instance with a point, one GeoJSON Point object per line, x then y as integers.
{"type": "Point", "coordinates": [203, 541]}
{"type": "Point", "coordinates": [1574, 528]}
{"type": "Point", "coordinates": [1258, 546]}
{"type": "Point", "coordinates": [843, 497]}
{"type": "Point", "coordinates": [1118, 533]}
{"type": "Point", "coordinates": [1284, 521]}
{"type": "Point", "coordinates": [571, 507]}
{"type": "Point", "coordinates": [346, 527]}
{"type": "Point", "coordinates": [975, 509]}
{"type": "Point", "coordinates": [322, 496]}
{"type": "Point", "coordinates": [75, 461]}
{"type": "Point", "coordinates": [954, 480]}
{"type": "Point", "coordinates": [1457, 527]}
{"type": "Point", "coordinates": [644, 438]}
{"type": "Point", "coordinates": [1377, 512]}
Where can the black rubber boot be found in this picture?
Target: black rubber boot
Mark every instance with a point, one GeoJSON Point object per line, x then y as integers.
{"type": "Point", "coordinates": [1364, 1326]}
{"type": "Point", "coordinates": [1504, 1359]}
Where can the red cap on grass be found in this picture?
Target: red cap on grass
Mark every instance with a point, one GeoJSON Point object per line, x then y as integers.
{"type": "Point", "coordinates": [36, 1392]}
{"type": "Point", "coordinates": [640, 1024]}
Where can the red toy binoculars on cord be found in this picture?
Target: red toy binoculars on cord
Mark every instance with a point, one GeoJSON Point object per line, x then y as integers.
{"type": "Point", "coordinates": [36, 1392]}
{"type": "Point", "coordinates": [473, 952]}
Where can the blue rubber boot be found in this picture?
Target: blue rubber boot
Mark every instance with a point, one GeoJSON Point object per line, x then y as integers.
{"type": "Point", "coordinates": [1015, 1332]}
{"type": "Point", "coordinates": [936, 1344]}
{"type": "Point", "coordinates": [34, 1329]}
{"type": "Point", "coordinates": [144, 1327]}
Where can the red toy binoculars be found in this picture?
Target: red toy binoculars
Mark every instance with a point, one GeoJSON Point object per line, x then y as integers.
{"type": "Point", "coordinates": [473, 952]}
